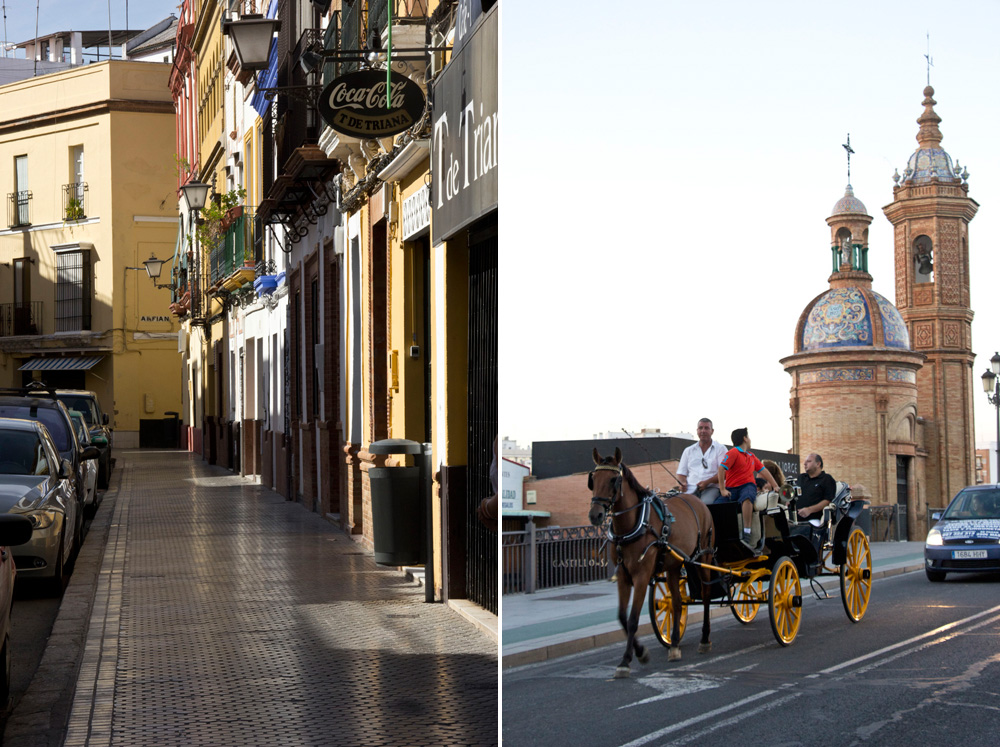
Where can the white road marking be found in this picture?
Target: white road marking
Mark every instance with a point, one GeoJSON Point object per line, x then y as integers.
{"type": "Point", "coordinates": [943, 634]}
{"type": "Point", "coordinates": [672, 686]}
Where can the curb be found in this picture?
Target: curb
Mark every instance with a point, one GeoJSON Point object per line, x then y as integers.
{"type": "Point", "coordinates": [41, 717]}
{"type": "Point", "coordinates": [545, 652]}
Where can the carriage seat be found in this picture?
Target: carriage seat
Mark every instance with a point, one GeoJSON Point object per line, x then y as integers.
{"type": "Point", "coordinates": [762, 503]}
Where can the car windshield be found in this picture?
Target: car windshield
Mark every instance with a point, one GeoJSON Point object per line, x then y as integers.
{"type": "Point", "coordinates": [84, 404]}
{"type": "Point", "coordinates": [22, 453]}
{"type": "Point", "coordinates": [975, 504]}
{"type": "Point", "coordinates": [54, 420]}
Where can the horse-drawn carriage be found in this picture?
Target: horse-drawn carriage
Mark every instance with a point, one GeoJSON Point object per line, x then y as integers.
{"type": "Point", "coordinates": [686, 552]}
{"type": "Point", "coordinates": [774, 577]}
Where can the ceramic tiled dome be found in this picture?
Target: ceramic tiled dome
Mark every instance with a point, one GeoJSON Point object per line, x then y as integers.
{"type": "Point", "coordinates": [842, 317]}
{"type": "Point", "coordinates": [849, 204]}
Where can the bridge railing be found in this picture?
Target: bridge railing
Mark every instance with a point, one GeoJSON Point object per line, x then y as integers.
{"type": "Point", "coordinates": [536, 559]}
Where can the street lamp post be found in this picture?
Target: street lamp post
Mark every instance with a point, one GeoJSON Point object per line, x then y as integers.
{"type": "Point", "coordinates": [991, 385]}
{"type": "Point", "coordinates": [195, 195]}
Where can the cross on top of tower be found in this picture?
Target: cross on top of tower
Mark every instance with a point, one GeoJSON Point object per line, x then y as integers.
{"type": "Point", "coordinates": [850, 150]}
{"type": "Point", "coordinates": [930, 60]}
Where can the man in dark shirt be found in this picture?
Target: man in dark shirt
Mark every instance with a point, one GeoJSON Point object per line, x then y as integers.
{"type": "Point", "coordinates": [818, 491]}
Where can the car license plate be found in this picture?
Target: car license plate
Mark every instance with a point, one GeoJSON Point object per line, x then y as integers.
{"type": "Point", "coordinates": [960, 554]}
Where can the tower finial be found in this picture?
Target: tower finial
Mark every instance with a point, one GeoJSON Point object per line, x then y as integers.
{"type": "Point", "coordinates": [930, 60]}
{"type": "Point", "coordinates": [850, 150]}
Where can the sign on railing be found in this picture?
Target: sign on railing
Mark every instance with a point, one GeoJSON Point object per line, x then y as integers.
{"type": "Point", "coordinates": [545, 558]}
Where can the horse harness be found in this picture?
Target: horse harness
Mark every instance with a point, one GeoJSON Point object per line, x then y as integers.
{"type": "Point", "coordinates": [648, 502]}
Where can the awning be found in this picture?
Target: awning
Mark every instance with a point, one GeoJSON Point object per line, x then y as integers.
{"type": "Point", "coordinates": [67, 363]}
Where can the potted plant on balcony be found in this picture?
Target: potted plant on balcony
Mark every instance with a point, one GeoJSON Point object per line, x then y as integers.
{"type": "Point", "coordinates": [74, 209]}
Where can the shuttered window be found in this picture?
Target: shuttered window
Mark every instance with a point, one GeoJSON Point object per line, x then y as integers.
{"type": "Point", "coordinates": [73, 291]}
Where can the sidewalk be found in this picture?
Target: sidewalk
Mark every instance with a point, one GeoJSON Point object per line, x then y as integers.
{"type": "Point", "coordinates": [224, 615]}
{"type": "Point", "coordinates": [561, 621]}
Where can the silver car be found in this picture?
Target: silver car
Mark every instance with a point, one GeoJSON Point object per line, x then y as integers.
{"type": "Point", "coordinates": [90, 467]}
{"type": "Point", "coordinates": [37, 483]}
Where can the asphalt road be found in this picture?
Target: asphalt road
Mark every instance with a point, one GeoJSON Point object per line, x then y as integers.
{"type": "Point", "coordinates": [922, 667]}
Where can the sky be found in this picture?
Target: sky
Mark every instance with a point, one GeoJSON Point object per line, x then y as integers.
{"type": "Point", "coordinates": [80, 15]}
{"type": "Point", "coordinates": [668, 171]}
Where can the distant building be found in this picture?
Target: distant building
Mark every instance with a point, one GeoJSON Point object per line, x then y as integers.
{"type": "Point", "coordinates": [983, 474]}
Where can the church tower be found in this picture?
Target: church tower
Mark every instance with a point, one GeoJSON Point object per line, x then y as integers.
{"type": "Point", "coordinates": [930, 214]}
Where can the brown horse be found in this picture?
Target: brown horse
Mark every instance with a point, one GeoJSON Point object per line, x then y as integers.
{"type": "Point", "coordinates": [636, 530]}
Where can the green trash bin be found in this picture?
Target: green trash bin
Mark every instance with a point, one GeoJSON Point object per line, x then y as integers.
{"type": "Point", "coordinates": [398, 510]}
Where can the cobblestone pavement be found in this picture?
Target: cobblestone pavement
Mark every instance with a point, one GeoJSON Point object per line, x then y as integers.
{"type": "Point", "coordinates": [227, 615]}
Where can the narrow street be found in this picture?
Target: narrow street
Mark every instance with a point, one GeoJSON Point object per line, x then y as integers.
{"type": "Point", "coordinates": [223, 614]}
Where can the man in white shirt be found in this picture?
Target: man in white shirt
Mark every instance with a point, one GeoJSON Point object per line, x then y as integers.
{"type": "Point", "coordinates": [698, 471]}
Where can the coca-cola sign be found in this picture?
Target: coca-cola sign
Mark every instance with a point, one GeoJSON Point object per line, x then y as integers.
{"type": "Point", "coordinates": [360, 105]}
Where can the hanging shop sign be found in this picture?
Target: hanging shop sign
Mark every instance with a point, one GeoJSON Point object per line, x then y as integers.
{"type": "Point", "coordinates": [465, 137]}
{"type": "Point", "coordinates": [355, 104]}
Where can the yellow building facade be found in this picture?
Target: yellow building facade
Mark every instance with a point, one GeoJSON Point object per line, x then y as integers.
{"type": "Point", "coordinates": [87, 169]}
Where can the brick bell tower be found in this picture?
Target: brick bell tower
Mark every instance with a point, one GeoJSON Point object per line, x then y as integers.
{"type": "Point", "coordinates": [930, 213]}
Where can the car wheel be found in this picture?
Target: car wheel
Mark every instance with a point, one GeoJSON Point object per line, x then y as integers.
{"type": "Point", "coordinates": [934, 575]}
{"type": "Point", "coordinates": [104, 473]}
{"type": "Point", "coordinates": [5, 675]}
{"type": "Point", "coordinates": [57, 583]}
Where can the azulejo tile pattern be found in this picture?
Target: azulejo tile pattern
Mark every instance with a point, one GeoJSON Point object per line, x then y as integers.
{"type": "Point", "coordinates": [927, 163]}
{"type": "Point", "coordinates": [901, 374]}
{"type": "Point", "coordinates": [837, 374]}
{"type": "Point", "coordinates": [893, 328]}
{"type": "Point", "coordinates": [839, 318]}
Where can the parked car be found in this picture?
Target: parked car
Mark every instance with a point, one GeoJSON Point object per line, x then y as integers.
{"type": "Point", "coordinates": [37, 483]}
{"type": "Point", "coordinates": [966, 537]}
{"type": "Point", "coordinates": [101, 435]}
{"type": "Point", "coordinates": [14, 530]}
{"type": "Point", "coordinates": [43, 407]}
{"type": "Point", "coordinates": [90, 500]}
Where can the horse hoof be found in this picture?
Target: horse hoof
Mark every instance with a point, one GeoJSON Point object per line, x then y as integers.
{"type": "Point", "coordinates": [622, 673]}
{"type": "Point", "coordinates": [704, 648]}
{"type": "Point", "coordinates": [644, 657]}
{"type": "Point", "coordinates": [675, 654]}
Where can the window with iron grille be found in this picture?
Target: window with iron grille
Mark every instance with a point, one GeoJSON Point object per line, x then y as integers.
{"type": "Point", "coordinates": [73, 291]}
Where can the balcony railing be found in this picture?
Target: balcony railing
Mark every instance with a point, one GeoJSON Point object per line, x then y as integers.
{"type": "Point", "coordinates": [234, 249]}
{"type": "Point", "coordinates": [75, 202]}
{"type": "Point", "coordinates": [19, 208]}
{"type": "Point", "coordinates": [23, 318]}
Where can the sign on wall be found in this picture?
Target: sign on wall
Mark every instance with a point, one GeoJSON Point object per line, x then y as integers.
{"type": "Point", "coordinates": [465, 144]}
{"type": "Point", "coordinates": [360, 105]}
{"type": "Point", "coordinates": [512, 485]}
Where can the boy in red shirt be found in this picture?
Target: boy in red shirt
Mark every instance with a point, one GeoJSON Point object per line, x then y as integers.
{"type": "Point", "coordinates": [739, 469]}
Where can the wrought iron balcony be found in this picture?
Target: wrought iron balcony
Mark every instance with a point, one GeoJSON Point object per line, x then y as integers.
{"type": "Point", "coordinates": [24, 318]}
{"type": "Point", "coordinates": [19, 208]}
{"type": "Point", "coordinates": [75, 202]}
{"type": "Point", "coordinates": [234, 251]}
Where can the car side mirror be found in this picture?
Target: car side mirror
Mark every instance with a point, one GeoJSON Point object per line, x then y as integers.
{"type": "Point", "coordinates": [90, 452]}
{"type": "Point", "coordinates": [104, 418]}
{"type": "Point", "coordinates": [936, 516]}
{"type": "Point", "coordinates": [65, 470]}
{"type": "Point", "coordinates": [14, 529]}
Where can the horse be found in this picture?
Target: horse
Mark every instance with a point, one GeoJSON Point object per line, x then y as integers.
{"type": "Point", "coordinates": [637, 532]}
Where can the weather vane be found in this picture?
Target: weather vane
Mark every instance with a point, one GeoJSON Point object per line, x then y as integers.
{"type": "Point", "coordinates": [930, 60]}
{"type": "Point", "coordinates": [850, 150]}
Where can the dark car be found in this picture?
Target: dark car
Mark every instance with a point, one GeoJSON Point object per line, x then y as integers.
{"type": "Point", "coordinates": [55, 417]}
{"type": "Point", "coordinates": [966, 538]}
{"type": "Point", "coordinates": [101, 435]}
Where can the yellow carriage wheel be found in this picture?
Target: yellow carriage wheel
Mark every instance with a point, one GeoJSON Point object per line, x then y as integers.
{"type": "Point", "coordinates": [784, 600]}
{"type": "Point", "coordinates": [661, 611]}
{"type": "Point", "coordinates": [856, 575]}
{"type": "Point", "coordinates": [746, 598]}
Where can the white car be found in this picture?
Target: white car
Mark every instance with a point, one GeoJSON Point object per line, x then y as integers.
{"type": "Point", "coordinates": [90, 466]}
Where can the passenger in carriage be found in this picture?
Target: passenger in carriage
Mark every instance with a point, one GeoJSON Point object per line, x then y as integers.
{"type": "Point", "coordinates": [698, 471]}
{"type": "Point", "coordinates": [739, 469]}
{"type": "Point", "coordinates": [818, 491]}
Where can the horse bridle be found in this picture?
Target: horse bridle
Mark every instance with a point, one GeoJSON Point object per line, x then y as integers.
{"type": "Point", "coordinates": [616, 490]}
